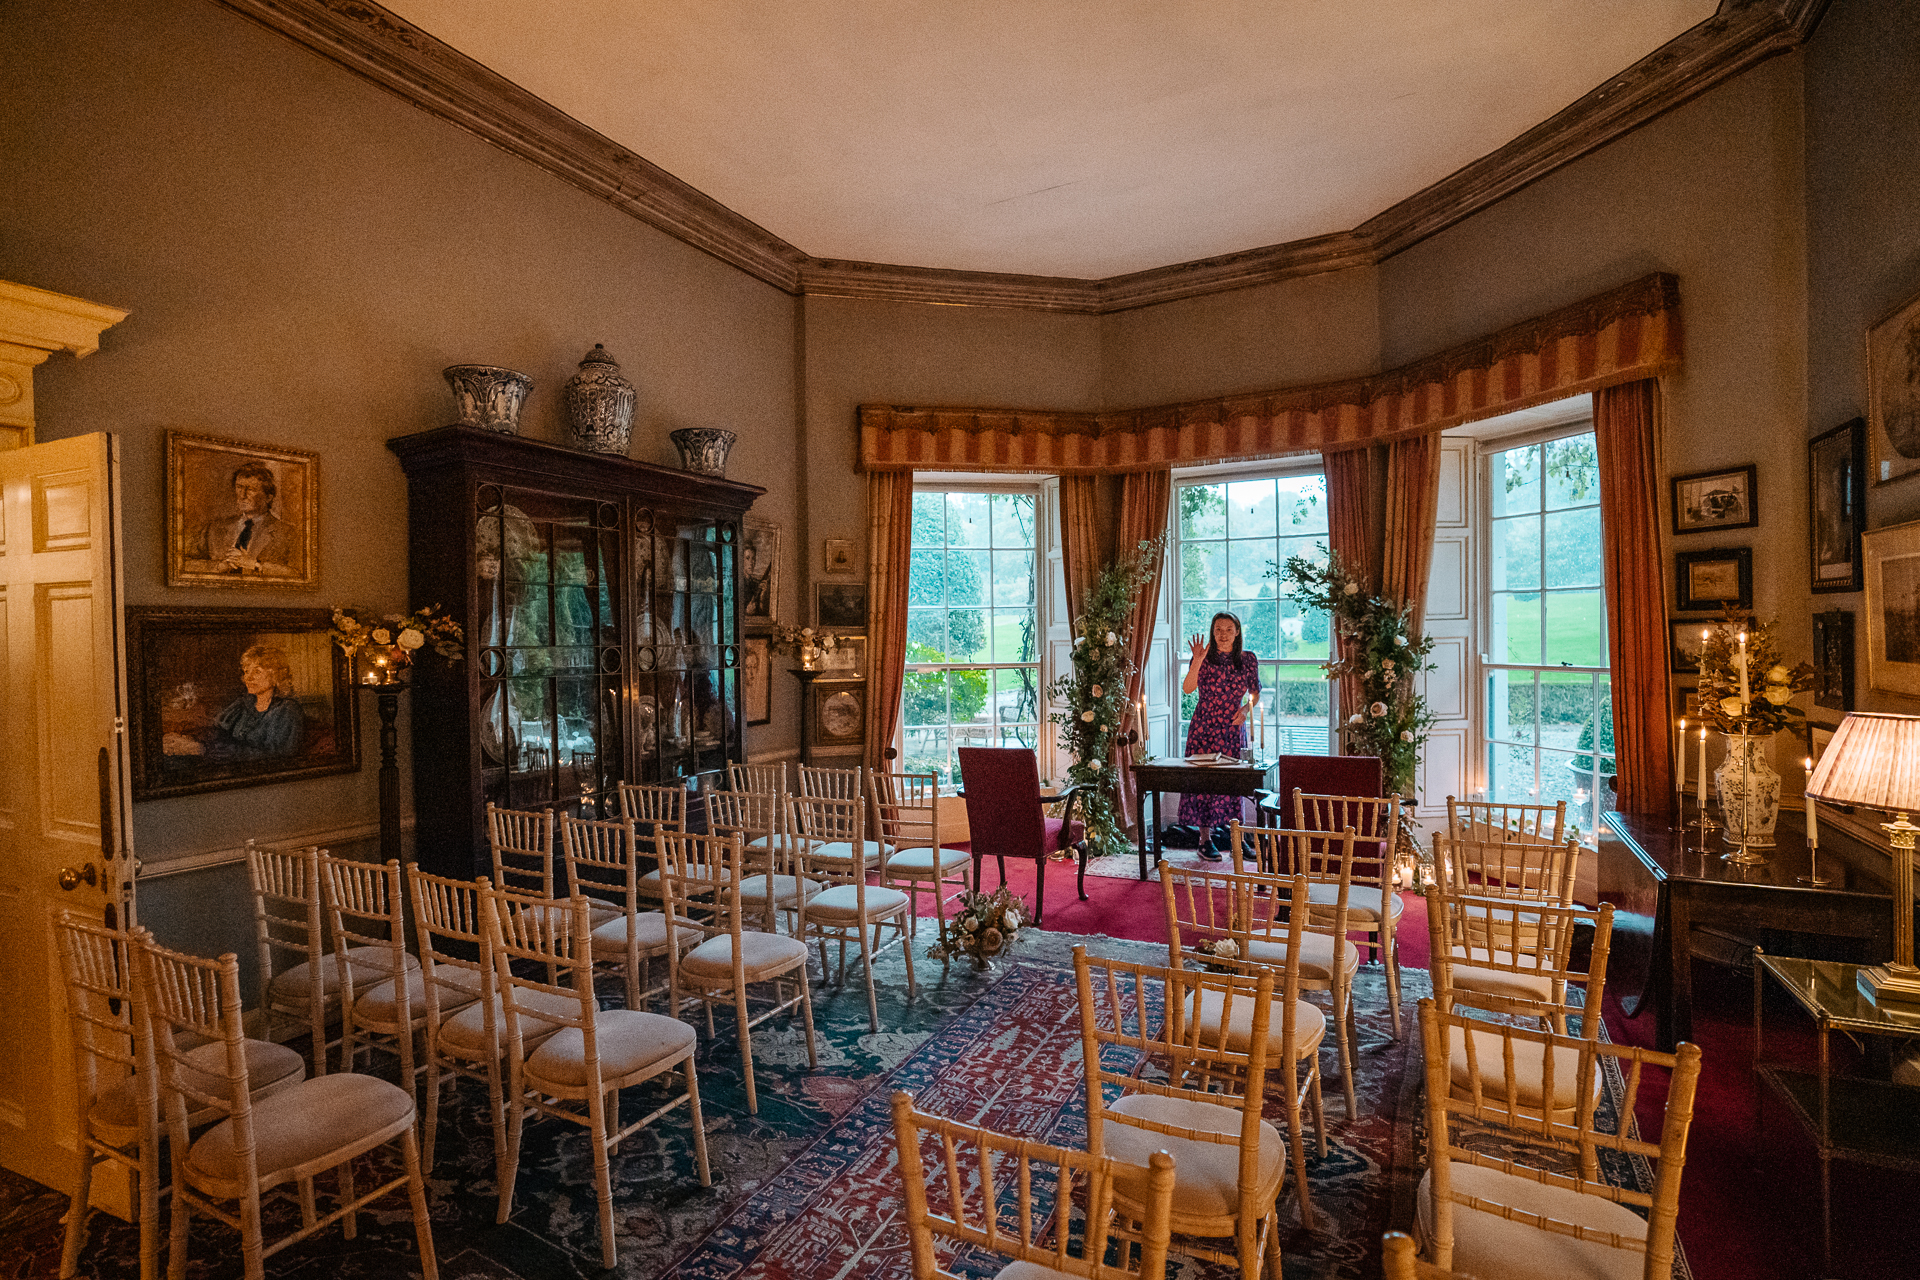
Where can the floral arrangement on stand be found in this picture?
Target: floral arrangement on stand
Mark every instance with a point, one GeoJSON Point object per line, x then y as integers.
{"type": "Point", "coordinates": [984, 924]}
{"type": "Point", "coordinates": [1094, 693]}
{"type": "Point", "coordinates": [805, 643]}
{"type": "Point", "coordinates": [1387, 653]}
{"type": "Point", "coordinates": [391, 640]}
{"type": "Point", "coordinates": [1745, 688]}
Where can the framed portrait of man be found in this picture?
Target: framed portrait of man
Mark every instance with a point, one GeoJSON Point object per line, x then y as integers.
{"type": "Point", "coordinates": [759, 574]}
{"type": "Point", "coordinates": [239, 514]}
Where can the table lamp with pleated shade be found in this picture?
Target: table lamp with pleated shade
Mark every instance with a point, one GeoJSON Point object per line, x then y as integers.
{"type": "Point", "coordinates": [1874, 761]}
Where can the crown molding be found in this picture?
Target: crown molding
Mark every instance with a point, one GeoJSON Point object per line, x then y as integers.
{"type": "Point", "coordinates": [376, 45]}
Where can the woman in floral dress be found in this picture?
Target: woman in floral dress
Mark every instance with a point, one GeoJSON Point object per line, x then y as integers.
{"type": "Point", "coordinates": [1224, 674]}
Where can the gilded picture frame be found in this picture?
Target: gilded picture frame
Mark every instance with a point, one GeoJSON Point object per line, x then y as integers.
{"type": "Point", "coordinates": [240, 514]}
{"type": "Point", "coordinates": [759, 574]}
{"type": "Point", "coordinates": [1713, 579]}
{"type": "Point", "coordinates": [1837, 506]}
{"type": "Point", "coordinates": [1893, 393]}
{"type": "Point", "coordinates": [756, 679]}
{"type": "Point", "coordinates": [839, 713]}
{"type": "Point", "coordinates": [1728, 498]}
{"type": "Point", "coordinates": [1892, 559]}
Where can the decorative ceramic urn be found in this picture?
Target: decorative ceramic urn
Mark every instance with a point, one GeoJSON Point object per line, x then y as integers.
{"type": "Point", "coordinates": [704, 449]}
{"type": "Point", "coordinates": [600, 404]}
{"type": "Point", "coordinates": [487, 396]}
{"type": "Point", "coordinates": [1749, 792]}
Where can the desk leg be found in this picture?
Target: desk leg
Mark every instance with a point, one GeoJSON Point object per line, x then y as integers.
{"type": "Point", "coordinates": [1675, 1005]}
{"type": "Point", "coordinates": [1146, 799]}
{"type": "Point", "coordinates": [1826, 1162]}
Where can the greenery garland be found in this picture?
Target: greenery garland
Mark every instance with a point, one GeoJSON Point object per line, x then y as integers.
{"type": "Point", "coordinates": [1387, 654]}
{"type": "Point", "coordinates": [1094, 693]}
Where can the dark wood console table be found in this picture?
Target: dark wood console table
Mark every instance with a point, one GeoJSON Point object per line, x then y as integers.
{"type": "Point", "coordinates": [1660, 893]}
{"type": "Point", "coordinates": [1175, 774]}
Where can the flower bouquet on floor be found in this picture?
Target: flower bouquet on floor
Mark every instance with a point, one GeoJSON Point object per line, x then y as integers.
{"type": "Point", "coordinates": [983, 926]}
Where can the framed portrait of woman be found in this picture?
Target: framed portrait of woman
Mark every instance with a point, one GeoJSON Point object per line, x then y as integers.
{"type": "Point", "coordinates": [226, 698]}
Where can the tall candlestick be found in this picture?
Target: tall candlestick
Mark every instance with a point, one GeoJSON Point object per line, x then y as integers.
{"type": "Point", "coordinates": [1680, 750]}
{"type": "Point", "coordinates": [1701, 795]}
{"type": "Point", "coordinates": [1745, 697]}
{"type": "Point", "coordinates": [1813, 816]}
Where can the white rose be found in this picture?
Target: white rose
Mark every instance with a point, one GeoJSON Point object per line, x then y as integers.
{"type": "Point", "coordinates": [382, 636]}
{"type": "Point", "coordinates": [1227, 948]}
{"type": "Point", "coordinates": [1378, 709]}
{"type": "Point", "coordinates": [1777, 694]}
{"type": "Point", "coordinates": [1732, 707]}
{"type": "Point", "coordinates": [1779, 675]}
{"type": "Point", "coordinates": [1013, 920]}
{"type": "Point", "coordinates": [970, 924]}
{"type": "Point", "coordinates": [1401, 641]}
{"type": "Point", "coordinates": [1406, 735]}
{"type": "Point", "coordinates": [410, 639]}
{"type": "Point", "coordinates": [1355, 718]}
{"type": "Point", "coordinates": [1087, 716]}
{"type": "Point", "coordinates": [1096, 765]}
{"type": "Point", "coordinates": [1353, 588]}
{"type": "Point", "coordinates": [1111, 639]}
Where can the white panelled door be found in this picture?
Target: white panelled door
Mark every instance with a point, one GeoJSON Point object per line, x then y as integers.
{"type": "Point", "coordinates": [1448, 766]}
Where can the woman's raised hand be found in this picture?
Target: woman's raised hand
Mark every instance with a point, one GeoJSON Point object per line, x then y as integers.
{"type": "Point", "coordinates": [1198, 644]}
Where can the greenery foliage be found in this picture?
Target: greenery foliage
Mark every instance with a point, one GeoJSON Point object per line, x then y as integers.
{"type": "Point", "coordinates": [1386, 654]}
{"type": "Point", "coordinates": [1770, 682]}
{"type": "Point", "coordinates": [1094, 693]}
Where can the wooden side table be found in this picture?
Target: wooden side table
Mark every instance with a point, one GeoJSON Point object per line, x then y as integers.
{"type": "Point", "coordinates": [1175, 774]}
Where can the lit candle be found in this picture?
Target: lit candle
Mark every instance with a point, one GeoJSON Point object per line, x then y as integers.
{"type": "Point", "coordinates": [1680, 782]}
{"type": "Point", "coordinates": [1813, 816]}
{"type": "Point", "coordinates": [1745, 697]}
{"type": "Point", "coordinates": [1700, 796]}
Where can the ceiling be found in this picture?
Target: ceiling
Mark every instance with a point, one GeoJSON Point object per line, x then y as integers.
{"type": "Point", "coordinates": [1065, 138]}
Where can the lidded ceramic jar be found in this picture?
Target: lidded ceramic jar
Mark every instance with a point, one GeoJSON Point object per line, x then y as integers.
{"type": "Point", "coordinates": [600, 404]}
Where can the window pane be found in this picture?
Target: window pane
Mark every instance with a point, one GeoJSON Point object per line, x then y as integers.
{"type": "Point", "coordinates": [924, 698]}
{"type": "Point", "coordinates": [1573, 548]}
{"type": "Point", "coordinates": [1301, 702]}
{"type": "Point", "coordinates": [1013, 635]}
{"type": "Point", "coordinates": [1516, 481]}
{"type": "Point", "coordinates": [1510, 706]}
{"type": "Point", "coordinates": [1303, 505]}
{"type": "Point", "coordinates": [929, 519]}
{"type": "Point", "coordinates": [1012, 519]}
{"type": "Point", "coordinates": [1250, 509]}
{"type": "Point", "coordinates": [1516, 628]}
{"type": "Point", "coordinates": [1510, 773]}
{"type": "Point", "coordinates": [1257, 628]}
{"type": "Point", "coordinates": [1573, 471]}
{"type": "Point", "coordinates": [1247, 565]}
{"type": "Point", "coordinates": [1024, 736]}
{"type": "Point", "coordinates": [1196, 619]}
{"type": "Point", "coordinates": [1016, 697]}
{"type": "Point", "coordinates": [1312, 548]}
{"type": "Point", "coordinates": [926, 635]}
{"type": "Point", "coordinates": [1303, 633]}
{"type": "Point", "coordinates": [1576, 628]}
{"type": "Point", "coordinates": [1203, 571]}
{"type": "Point", "coordinates": [1516, 555]}
{"type": "Point", "coordinates": [967, 697]}
{"type": "Point", "coordinates": [1566, 709]}
{"type": "Point", "coordinates": [967, 520]}
{"type": "Point", "coordinates": [1203, 511]}
{"type": "Point", "coordinates": [967, 635]}
{"type": "Point", "coordinates": [927, 578]}
{"type": "Point", "coordinates": [967, 576]}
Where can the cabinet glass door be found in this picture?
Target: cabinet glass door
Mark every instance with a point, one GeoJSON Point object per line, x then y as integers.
{"type": "Point", "coordinates": [686, 656]}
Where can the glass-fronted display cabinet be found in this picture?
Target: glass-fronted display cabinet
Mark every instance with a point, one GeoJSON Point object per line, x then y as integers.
{"type": "Point", "coordinates": [600, 598]}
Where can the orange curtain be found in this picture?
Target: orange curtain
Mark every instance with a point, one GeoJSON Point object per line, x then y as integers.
{"type": "Point", "coordinates": [1626, 428]}
{"type": "Point", "coordinates": [1413, 502]}
{"type": "Point", "coordinates": [889, 563]}
{"type": "Point", "coordinates": [1079, 537]}
{"type": "Point", "coordinates": [1350, 521]}
{"type": "Point", "coordinates": [1144, 498]}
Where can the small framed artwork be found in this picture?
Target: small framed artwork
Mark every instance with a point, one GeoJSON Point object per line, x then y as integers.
{"type": "Point", "coordinates": [840, 605]}
{"type": "Point", "coordinates": [847, 658]}
{"type": "Point", "coordinates": [226, 698]}
{"type": "Point", "coordinates": [1892, 559]}
{"type": "Point", "coordinates": [1893, 393]}
{"type": "Point", "coordinates": [1837, 505]}
{"type": "Point", "coordinates": [240, 515]}
{"type": "Point", "coordinates": [839, 713]}
{"type": "Point", "coordinates": [838, 556]}
{"type": "Point", "coordinates": [1685, 647]}
{"type": "Point", "coordinates": [759, 574]}
{"type": "Point", "coordinates": [1833, 660]}
{"type": "Point", "coordinates": [1713, 579]}
{"type": "Point", "coordinates": [756, 678]}
{"type": "Point", "coordinates": [1716, 500]}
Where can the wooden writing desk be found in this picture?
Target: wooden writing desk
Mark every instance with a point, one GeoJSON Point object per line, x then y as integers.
{"type": "Point", "coordinates": [1660, 893]}
{"type": "Point", "coordinates": [1175, 774]}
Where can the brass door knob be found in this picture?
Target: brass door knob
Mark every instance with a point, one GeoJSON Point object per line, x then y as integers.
{"type": "Point", "coordinates": [70, 879]}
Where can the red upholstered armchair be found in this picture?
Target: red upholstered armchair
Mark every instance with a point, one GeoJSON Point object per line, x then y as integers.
{"type": "Point", "coordinates": [1005, 817]}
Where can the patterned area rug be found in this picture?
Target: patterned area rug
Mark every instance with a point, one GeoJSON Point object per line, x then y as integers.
{"type": "Point", "coordinates": [806, 1190]}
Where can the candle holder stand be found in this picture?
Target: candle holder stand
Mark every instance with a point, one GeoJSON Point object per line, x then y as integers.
{"type": "Point", "coordinates": [1813, 876]}
{"type": "Point", "coordinates": [1704, 830]}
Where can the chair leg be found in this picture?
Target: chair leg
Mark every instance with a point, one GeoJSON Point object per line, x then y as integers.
{"type": "Point", "coordinates": [349, 1192]}
{"type": "Point", "coordinates": [77, 1210]}
{"type": "Point", "coordinates": [182, 1220]}
{"type": "Point", "coordinates": [1081, 884]}
{"type": "Point", "coordinates": [1039, 889]}
{"type": "Point", "coordinates": [1390, 956]}
{"type": "Point", "coordinates": [806, 1015]}
{"type": "Point", "coordinates": [746, 1040]}
{"type": "Point", "coordinates": [150, 1211]}
{"type": "Point", "coordinates": [516, 1116]}
{"type": "Point", "coordinates": [602, 1179]}
{"type": "Point", "coordinates": [906, 948]}
{"type": "Point", "coordinates": [699, 1123]}
{"type": "Point", "coordinates": [866, 965]}
{"type": "Point", "coordinates": [252, 1246]}
{"type": "Point", "coordinates": [1343, 1030]}
{"type": "Point", "coordinates": [1297, 1140]}
{"type": "Point", "coordinates": [431, 1125]}
{"type": "Point", "coordinates": [422, 1216]}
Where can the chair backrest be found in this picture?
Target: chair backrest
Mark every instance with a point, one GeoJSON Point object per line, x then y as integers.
{"type": "Point", "coordinates": [1498, 820]}
{"type": "Point", "coordinates": [286, 907]}
{"type": "Point", "coordinates": [451, 934]}
{"type": "Point", "coordinates": [1324, 857]}
{"type": "Point", "coordinates": [1004, 818]}
{"type": "Point", "coordinates": [366, 914]}
{"type": "Point", "coordinates": [1117, 1001]}
{"type": "Point", "coordinates": [190, 1002]}
{"type": "Point", "coordinates": [1525, 1133]}
{"type": "Point", "coordinates": [1528, 870]}
{"type": "Point", "coordinates": [824, 820]}
{"type": "Point", "coordinates": [1327, 776]}
{"type": "Point", "coordinates": [907, 809]}
{"type": "Point", "coordinates": [1207, 907]}
{"type": "Point", "coordinates": [1375, 821]}
{"type": "Point", "coordinates": [758, 777]}
{"type": "Point", "coordinates": [753, 815]}
{"type": "Point", "coordinates": [700, 890]}
{"type": "Point", "coordinates": [544, 939]}
{"type": "Point", "coordinates": [101, 996]}
{"type": "Point", "coordinates": [522, 847]}
{"type": "Point", "coordinates": [601, 863]}
{"type": "Point", "coordinates": [1528, 941]}
{"type": "Point", "coordinates": [648, 806]}
{"type": "Point", "coordinates": [973, 1165]}
{"type": "Point", "coordinates": [837, 784]}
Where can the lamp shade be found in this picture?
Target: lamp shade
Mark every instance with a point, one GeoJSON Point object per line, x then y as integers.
{"type": "Point", "coordinates": [1873, 760]}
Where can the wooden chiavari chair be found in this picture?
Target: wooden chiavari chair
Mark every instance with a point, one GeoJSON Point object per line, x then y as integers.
{"type": "Point", "coordinates": [603, 866]}
{"type": "Point", "coordinates": [907, 807]}
{"type": "Point", "coordinates": [826, 831]}
{"type": "Point", "coordinates": [1373, 906]}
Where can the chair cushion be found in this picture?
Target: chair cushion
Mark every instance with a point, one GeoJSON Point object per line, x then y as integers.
{"type": "Point", "coordinates": [1030, 1271]}
{"type": "Point", "coordinates": [761, 954]}
{"type": "Point", "coordinates": [302, 1124]}
{"type": "Point", "coordinates": [842, 903]}
{"type": "Point", "coordinates": [1498, 982]}
{"type": "Point", "coordinates": [1529, 1072]}
{"type": "Point", "coordinates": [784, 889]}
{"type": "Point", "coordinates": [1206, 1175]}
{"type": "Point", "coordinates": [1363, 903]}
{"type": "Point", "coordinates": [630, 1041]}
{"type": "Point", "coordinates": [464, 1035]}
{"type": "Point", "coordinates": [1316, 955]}
{"type": "Point", "coordinates": [292, 985]}
{"type": "Point", "coordinates": [649, 930]}
{"type": "Point", "coordinates": [1495, 1248]}
{"type": "Point", "coordinates": [458, 988]}
{"type": "Point", "coordinates": [114, 1117]}
{"type": "Point", "coordinates": [917, 864]}
{"type": "Point", "coordinates": [1309, 1025]}
{"type": "Point", "coordinates": [1075, 834]}
{"type": "Point", "coordinates": [841, 851]}
{"type": "Point", "coordinates": [597, 912]}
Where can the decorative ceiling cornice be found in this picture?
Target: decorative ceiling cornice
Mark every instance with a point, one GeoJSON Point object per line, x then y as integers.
{"type": "Point", "coordinates": [378, 46]}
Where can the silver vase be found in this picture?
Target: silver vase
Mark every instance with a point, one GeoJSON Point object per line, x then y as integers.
{"type": "Point", "coordinates": [600, 404]}
{"type": "Point", "coordinates": [487, 396]}
{"type": "Point", "coordinates": [704, 449]}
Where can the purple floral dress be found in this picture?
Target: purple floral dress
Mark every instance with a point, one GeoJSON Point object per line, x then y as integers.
{"type": "Point", "coordinates": [1222, 685]}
